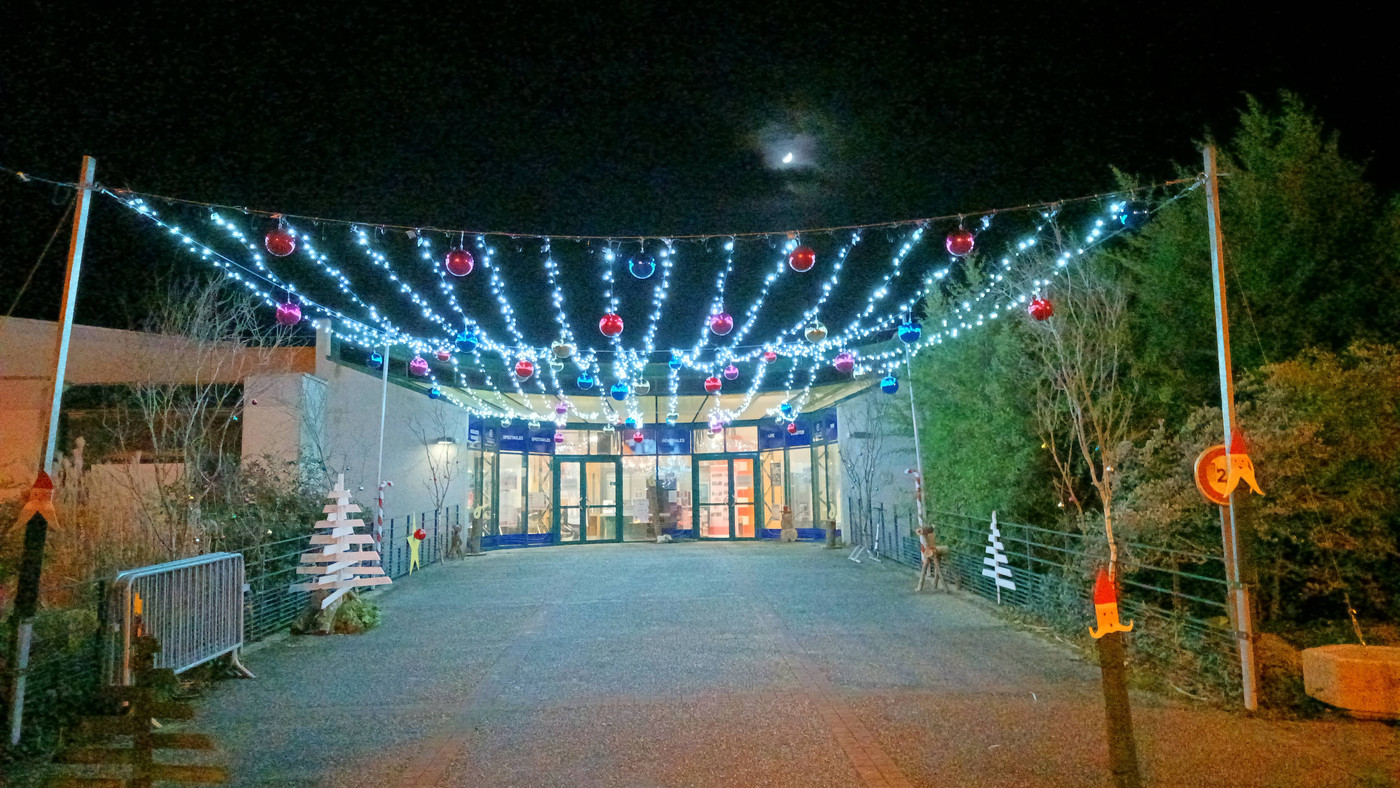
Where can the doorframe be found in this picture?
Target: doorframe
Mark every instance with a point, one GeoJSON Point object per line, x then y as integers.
{"type": "Point", "coordinates": [729, 457]}
{"type": "Point", "coordinates": [583, 460]}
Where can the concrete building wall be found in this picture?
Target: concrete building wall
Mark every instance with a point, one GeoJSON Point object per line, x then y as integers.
{"type": "Point", "coordinates": [876, 429]}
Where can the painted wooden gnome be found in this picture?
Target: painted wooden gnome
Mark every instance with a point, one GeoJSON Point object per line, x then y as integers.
{"type": "Point", "coordinates": [789, 533]}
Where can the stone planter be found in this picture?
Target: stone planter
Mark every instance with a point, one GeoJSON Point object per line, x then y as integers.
{"type": "Point", "coordinates": [1364, 680]}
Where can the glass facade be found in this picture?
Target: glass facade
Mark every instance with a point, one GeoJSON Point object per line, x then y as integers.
{"type": "Point", "coordinates": [602, 485]}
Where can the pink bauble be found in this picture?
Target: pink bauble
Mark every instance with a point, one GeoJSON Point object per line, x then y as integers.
{"type": "Point", "coordinates": [288, 313]}
{"type": "Point", "coordinates": [610, 325]}
{"type": "Point", "coordinates": [561, 409]}
{"type": "Point", "coordinates": [792, 428]}
{"type": "Point", "coordinates": [712, 384]}
{"type": "Point", "coordinates": [731, 372]}
{"type": "Point", "coordinates": [418, 366]}
{"type": "Point", "coordinates": [721, 323]}
{"type": "Point", "coordinates": [638, 437]}
{"type": "Point", "coordinates": [769, 356]}
{"type": "Point", "coordinates": [844, 362]}
{"type": "Point", "coordinates": [524, 368]}
{"type": "Point", "coordinates": [959, 242]}
{"type": "Point", "coordinates": [280, 243]}
{"type": "Point", "coordinates": [558, 437]}
{"type": "Point", "coordinates": [444, 355]}
{"type": "Point", "coordinates": [459, 262]}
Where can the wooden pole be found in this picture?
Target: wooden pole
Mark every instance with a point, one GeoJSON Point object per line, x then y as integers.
{"type": "Point", "coordinates": [379, 471]}
{"type": "Point", "coordinates": [86, 182]}
{"type": "Point", "coordinates": [1122, 752]}
{"type": "Point", "coordinates": [1238, 592]}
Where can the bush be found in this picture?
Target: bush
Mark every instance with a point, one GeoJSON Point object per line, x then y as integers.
{"type": "Point", "coordinates": [355, 615]}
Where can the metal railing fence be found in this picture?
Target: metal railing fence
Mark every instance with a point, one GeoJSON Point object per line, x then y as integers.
{"type": "Point", "coordinates": [193, 607]}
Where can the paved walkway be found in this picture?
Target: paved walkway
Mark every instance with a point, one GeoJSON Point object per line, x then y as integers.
{"type": "Point", "coordinates": [719, 665]}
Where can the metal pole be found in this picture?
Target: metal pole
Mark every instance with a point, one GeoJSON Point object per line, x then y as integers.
{"type": "Point", "coordinates": [1229, 526]}
{"type": "Point", "coordinates": [379, 471]}
{"type": "Point", "coordinates": [918, 451]}
{"type": "Point", "coordinates": [86, 181]}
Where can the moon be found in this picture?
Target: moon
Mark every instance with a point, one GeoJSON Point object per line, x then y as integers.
{"type": "Point", "coordinates": [788, 158]}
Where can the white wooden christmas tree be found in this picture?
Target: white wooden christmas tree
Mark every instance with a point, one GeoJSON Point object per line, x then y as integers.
{"type": "Point", "coordinates": [337, 560]}
{"type": "Point", "coordinates": [998, 569]}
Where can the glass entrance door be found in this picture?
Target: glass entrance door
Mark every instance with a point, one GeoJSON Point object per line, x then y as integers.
{"type": "Point", "coordinates": [726, 496]}
{"type": "Point", "coordinates": [588, 497]}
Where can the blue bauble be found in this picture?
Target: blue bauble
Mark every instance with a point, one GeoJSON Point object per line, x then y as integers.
{"type": "Point", "coordinates": [466, 342]}
{"type": "Point", "coordinates": [1134, 215]}
{"type": "Point", "coordinates": [675, 361]}
{"type": "Point", "coordinates": [890, 384]}
{"type": "Point", "coordinates": [910, 332]}
{"type": "Point", "coordinates": [642, 266]}
{"type": "Point", "coordinates": [631, 423]}
{"type": "Point", "coordinates": [670, 418]}
{"type": "Point", "coordinates": [585, 381]}
{"type": "Point", "coordinates": [619, 391]}
{"type": "Point", "coordinates": [434, 393]}
{"type": "Point", "coordinates": [375, 361]}
{"type": "Point", "coordinates": [786, 408]}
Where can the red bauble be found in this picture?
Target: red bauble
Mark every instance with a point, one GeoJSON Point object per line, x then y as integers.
{"type": "Point", "coordinates": [610, 325]}
{"type": "Point", "coordinates": [802, 259]}
{"type": "Point", "coordinates": [959, 242]}
{"type": "Point", "coordinates": [1040, 309]}
{"type": "Point", "coordinates": [792, 428]}
{"type": "Point", "coordinates": [769, 356]}
{"type": "Point", "coordinates": [712, 384]}
{"type": "Point", "coordinates": [524, 368]}
{"type": "Point", "coordinates": [443, 355]}
{"type": "Point", "coordinates": [420, 534]}
{"type": "Point", "coordinates": [459, 262]}
{"type": "Point", "coordinates": [638, 437]}
{"type": "Point", "coordinates": [721, 323]}
{"type": "Point", "coordinates": [280, 243]}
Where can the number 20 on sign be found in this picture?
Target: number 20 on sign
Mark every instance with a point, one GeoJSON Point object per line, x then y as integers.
{"type": "Point", "coordinates": [1213, 475]}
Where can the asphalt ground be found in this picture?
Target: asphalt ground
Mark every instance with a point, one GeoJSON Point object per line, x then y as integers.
{"type": "Point", "coordinates": [731, 664]}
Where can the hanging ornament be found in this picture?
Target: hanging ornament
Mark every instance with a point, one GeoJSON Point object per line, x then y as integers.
{"type": "Point", "coordinates": [959, 242]}
{"type": "Point", "coordinates": [802, 259]}
{"type": "Point", "coordinates": [418, 366]}
{"type": "Point", "coordinates": [524, 368]}
{"type": "Point", "coordinates": [786, 409]}
{"type": "Point", "coordinates": [859, 373]}
{"type": "Point", "coordinates": [641, 388]}
{"type": "Point", "coordinates": [610, 325]}
{"type": "Point", "coordinates": [731, 372]}
{"type": "Point", "coordinates": [561, 349]}
{"type": "Point", "coordinates": [459, 262]}
{"type": "Point", "coordinates": [721, 323]}
{"type": "Point", "coordinates": [631, 423]}
{"type": "Point", "coordinates": [444, 355]}
{"type": "Point", "coordinates": [466, 341]}
{"type": "Point", "coordinates": [675, 362]}
{"type": "Point", "coordinates": [1134, 215]}
{"type": "Point", "coordinates": [671, 418]}
{"type": "Point", "coordinates": [1040, 309]}
{"type": "Point", "coordinates": [280, 242]}
{"type": "Point", "coordinates": [561, 408]}
{"type": "Point", "coordinates": [769, 356]}
{"type": "Point", "coordinates": [642, 266]}
{"type": "Point", "coordinates": [712, 384]}
{"type": "Point", "coordinates": [420, 534]}
{"type": "Point", "coordinates": [434, 393]}
{"type": "Point", "coordinates": [638, 437]}
{"type": "Point", "coordinates": [558, 437]}
{"type": "Point", "coordinates": [890, 384]}
{"type": "Point", "coordinates": [816, 332]}
{"type": "Point", "coordinates": [619, 391]}
{"type": "Point", "coordinates": [288, 313]}
{"type": "Point", "coordinates": [375, 361]}
{"type": "Point", "coordinates": [910, 332]}
{"type": "Point", "coordinates": [556, 366]}
{"type": "Point", "coordinates": [844, 362]}
{"type": "Point", "coordinates": [792, 428]}
{"type": "Point", "coordinates": [585, 381]}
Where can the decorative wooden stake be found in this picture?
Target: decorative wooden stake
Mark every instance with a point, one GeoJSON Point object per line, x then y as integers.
{"type": "Point", "coordinates": [1000, 570]}
{"type": "Point", "coordinates": [333, 563]}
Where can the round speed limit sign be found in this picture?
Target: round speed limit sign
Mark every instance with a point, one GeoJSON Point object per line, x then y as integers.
{"type": "Point", "coordinates": [1212, 472]}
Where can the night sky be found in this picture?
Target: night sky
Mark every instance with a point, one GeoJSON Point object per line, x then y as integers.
{"type": "Point", "coordinates": [650, 120]}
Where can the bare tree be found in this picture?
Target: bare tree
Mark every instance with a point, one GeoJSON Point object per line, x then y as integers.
{"type": "Point", "coordinates": [185, 403]}
{"type": "Point", "coordinates": [1083, 407]}
{"type": "Point", "coordinates": [863, 459]}
{"type": "Point", "coordinates": [441, 433]}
